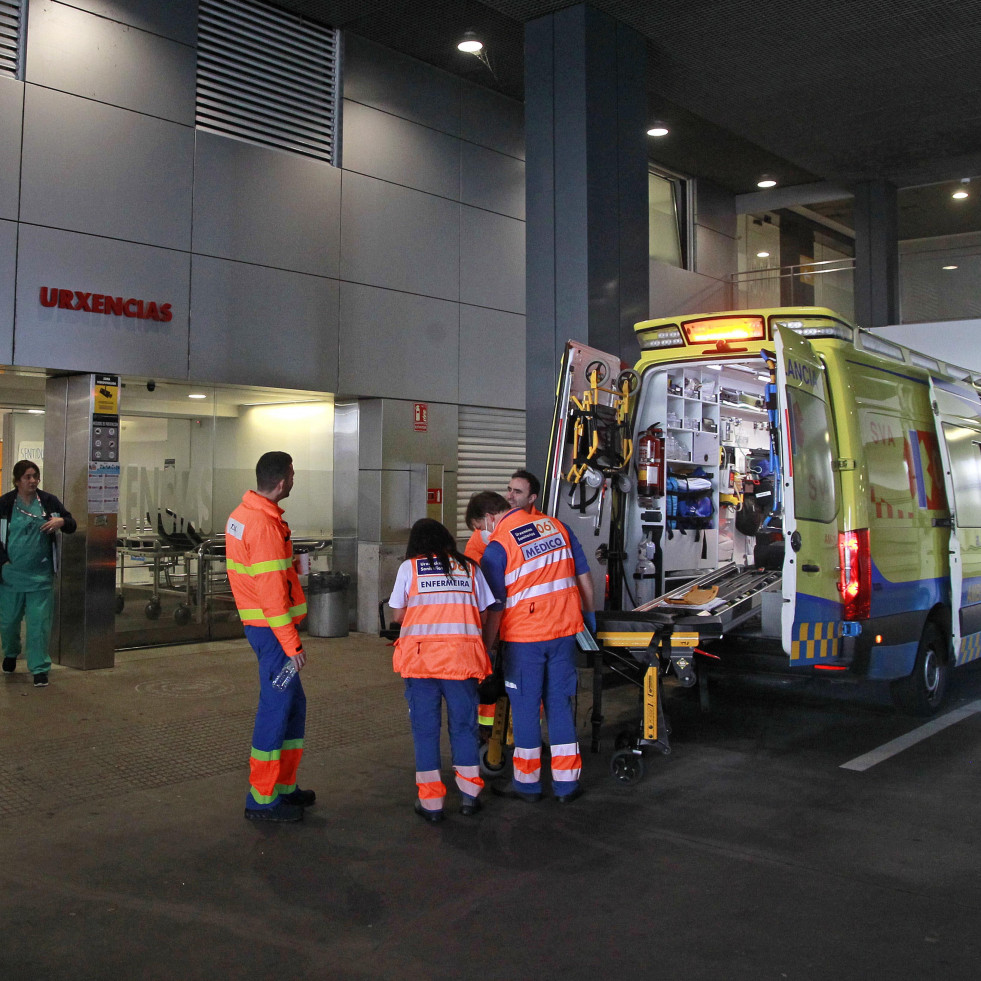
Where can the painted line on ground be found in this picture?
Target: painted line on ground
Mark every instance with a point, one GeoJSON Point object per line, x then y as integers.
{"type": "Point", "coordinates": [895, 746]}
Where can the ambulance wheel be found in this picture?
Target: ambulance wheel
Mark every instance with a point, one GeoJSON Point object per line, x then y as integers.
{"type": "Point", "coordinates": [182, 615]}
{"type": "Point", "coordinates": [627, 767]}
{"type": "Point", "coordinates": [924, 691]}
{"type": "Point", "coordinates": [152, 610]}
{"type": "Point", "coordinates": [120, 602]}
{"type": "Point", "coordinates": [485, 768]}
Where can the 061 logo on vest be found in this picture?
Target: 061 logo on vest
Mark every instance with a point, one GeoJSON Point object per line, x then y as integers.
{"type": "Point", "coordinates": [538, 537]}
{"type": "Point", "coordinates": [432, 579]}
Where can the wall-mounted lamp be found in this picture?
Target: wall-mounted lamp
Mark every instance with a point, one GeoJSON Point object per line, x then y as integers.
{"type": "Point", "coordinates": [658, 129]}
{"type": "Point", "coordinates": [766, 181]}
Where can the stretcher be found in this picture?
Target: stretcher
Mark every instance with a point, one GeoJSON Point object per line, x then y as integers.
{"type": "Point", "coordinates": [663, 636]}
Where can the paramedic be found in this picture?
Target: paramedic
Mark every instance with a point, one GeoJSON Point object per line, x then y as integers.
{"type": "Point", "coordinates": [29, 521]}
{"type": "Point", "coordinates": [270, 602]}
{"type": "Point", "coordinates": [539, 574]}
{"type": "Point", "coordinates": [523, 490]}
{"type": "Point", "coordinates": [483, 512]}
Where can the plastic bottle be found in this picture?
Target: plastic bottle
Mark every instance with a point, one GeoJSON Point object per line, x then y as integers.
{"type": "Point", "coordinates": [282, 680]}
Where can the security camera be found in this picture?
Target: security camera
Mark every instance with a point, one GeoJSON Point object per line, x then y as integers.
{"type": "Point", "coordinates": [151, 385]}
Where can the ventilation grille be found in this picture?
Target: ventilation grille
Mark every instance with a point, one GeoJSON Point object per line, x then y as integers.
{"type": "Point", "coordinates": [490, 447]}
{"type": "Point", "coordinates": [11, 21]}
{"type": "Point", "coordinates": [267, 76]}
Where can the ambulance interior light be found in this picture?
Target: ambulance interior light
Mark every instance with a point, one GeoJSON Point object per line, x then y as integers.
{"type": "Point", "coordinates": [661, 337]}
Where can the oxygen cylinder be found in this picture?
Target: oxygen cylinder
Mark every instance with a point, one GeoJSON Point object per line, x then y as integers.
{"type": "Point", "coordinates": [650, 461]}
{"type": "Point", "coordinates": [645, 573]}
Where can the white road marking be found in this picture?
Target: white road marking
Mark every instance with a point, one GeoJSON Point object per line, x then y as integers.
{"type": "Point", "coordinates": [895, 746]}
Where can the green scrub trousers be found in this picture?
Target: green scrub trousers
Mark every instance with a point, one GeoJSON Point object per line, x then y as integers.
{"type": "Point", "coordinates": [38, 608]}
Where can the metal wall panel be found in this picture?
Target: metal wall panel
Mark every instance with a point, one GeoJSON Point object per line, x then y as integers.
{"type": "Point", "coordinates": [11, 120]}
{"type": "Point", "coordinates": [98, 58]}
{"type": "Point", "coordinates": [381, 145]}
{"type": "Point", "coordinates": [399, 239]}
{"type": "Point", "coordinates": [176, 19]}
{"type": "Point", "coordinates": [493, 120]}
{"type": "Point", "coordinates": [675, 290]}
{"type": "Point", "coordinates": [379, 77]}
{"type": "Point", "coordinates": [492, 260]}
{"type": "Point", "coordinates": [260, 326]}
{"type": "Point", "coordinates": [492, 357]}
{"type": "Point", "coordinates": [105, 171]}
{"type": "Point", "coordinates": [81, 341]}
{"type": "Point", "coordinates": [397, 345]}
{"type": "Point", "coordinates": [8, 277]}
{"type": "Point", "coordinates": [715, 253]}
{"type": "Point", "coordinates": [492, 181]}
{"type": "Point", "coordinates": [264, 206]}
{"type": "Point", "coordinates": [715, 208]}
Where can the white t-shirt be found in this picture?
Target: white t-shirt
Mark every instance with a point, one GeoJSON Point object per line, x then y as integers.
{"type": "Point", "coordinates": [403, 581]}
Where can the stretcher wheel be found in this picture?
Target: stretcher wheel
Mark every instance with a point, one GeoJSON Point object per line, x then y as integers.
{"type": "Point", "coordinates": [627, 767]}
{"type": "Point", "coordinates": [599, 368]}
{"type": "Point", "coordinates": [632, 379]}
{"type": "Point", "coordinates": [120, 602]}
{"type": "Point", "coordinates": [624, 740]}
{"type": "Point", "coordinates": [152, 610]}
{"type": "Point", "coordinates": [182, 615]}
{"type": "Point", "coordinates": [486, 768]}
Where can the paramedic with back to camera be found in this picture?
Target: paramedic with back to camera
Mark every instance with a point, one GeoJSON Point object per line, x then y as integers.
{"type": "Point", "coordinates": [270, 601]}
{"type": "Point", "coordinates": [538, 572]}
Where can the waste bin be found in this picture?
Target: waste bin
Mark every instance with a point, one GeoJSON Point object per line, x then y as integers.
{"type": "Point", "coordinates": [327, 604]}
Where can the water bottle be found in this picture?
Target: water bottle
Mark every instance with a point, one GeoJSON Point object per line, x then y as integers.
{"type": "Point", "coordinates": [282, 680]}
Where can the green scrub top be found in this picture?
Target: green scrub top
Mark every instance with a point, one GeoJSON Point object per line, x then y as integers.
{"type": "Point", "coordinates": [29, 550]}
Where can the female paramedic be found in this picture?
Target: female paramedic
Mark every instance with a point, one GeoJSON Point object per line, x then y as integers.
{"type": "Point", "coordinates": [439, 598]}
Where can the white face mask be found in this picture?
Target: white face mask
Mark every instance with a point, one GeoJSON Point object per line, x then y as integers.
{"type": "Point", "coordinates": [485, 536]}
{"type": "Point", "coordinates": [490, 523]}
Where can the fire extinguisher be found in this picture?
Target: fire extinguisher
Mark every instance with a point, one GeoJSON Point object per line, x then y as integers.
{"type": "Point", "coordinates": [650, 461]}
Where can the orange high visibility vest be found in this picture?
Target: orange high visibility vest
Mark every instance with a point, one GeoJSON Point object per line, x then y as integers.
{"type": "Point", "coordinates": [441, 633]}
{"type": "Point", "coordinates": [543, 600]}
{"type": "Point", "coordinates": [475, 547]}
{"type": "Point", "coordinates": [259, 559]}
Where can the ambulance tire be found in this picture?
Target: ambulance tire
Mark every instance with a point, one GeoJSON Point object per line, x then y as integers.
{"type": "Point", "coordinates": [923, 692]}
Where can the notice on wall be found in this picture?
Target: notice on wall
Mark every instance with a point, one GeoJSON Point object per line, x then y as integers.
{"type": "Point", "coordinates": [32, 450]}
{"type": "Point", "coordinates": [103, 488]}
{"type": "Point", "coordinates": [420, 417]}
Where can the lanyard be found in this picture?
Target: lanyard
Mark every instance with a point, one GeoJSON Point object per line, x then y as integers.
{"type": "Point", "coordinates": [43, 516]}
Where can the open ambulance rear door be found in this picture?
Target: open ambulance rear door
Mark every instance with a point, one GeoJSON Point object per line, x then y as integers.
{"type": "Point", "coordinates": [958, 413]}
{"type": "Point", "coordinates": [590, 451]}
{"type": "Point", "coordinates": [812, 617]}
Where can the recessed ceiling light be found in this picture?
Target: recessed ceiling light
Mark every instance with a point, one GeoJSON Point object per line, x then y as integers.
{"type": "Point", "coordinates": [658, 129]}
{"type": "Point", "coordinates": [471, 44]}
{"type": "Point", "coordinates": [766, 181]}
{"type": "Point", "coordinates": [950, 267]}
{"type": "Point", "coordinates": [35, 412]}
{"type": "Point", "coordinates": [762, 255]}
{"type": "Point", "coordinates": [960, 195]}
{"type": "Point", "coordinates": [197, 395]}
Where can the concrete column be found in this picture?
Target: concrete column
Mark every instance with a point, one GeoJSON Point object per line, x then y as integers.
{"type": "Point", "coordinates": [876, 254]}
{"type": "Point", "coordinates": [586, 201]}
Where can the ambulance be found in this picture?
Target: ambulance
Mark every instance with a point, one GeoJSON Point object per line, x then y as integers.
{"type": "Point", "coordinates": [793, 485]}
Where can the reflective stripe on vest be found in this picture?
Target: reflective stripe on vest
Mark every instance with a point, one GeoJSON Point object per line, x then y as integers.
{"type": "Point", "coordinates": [272, 565]}
{"type": "Point", "coordinates": [542, 589]}
{"type": "Point", "coordinates": [258, 618]}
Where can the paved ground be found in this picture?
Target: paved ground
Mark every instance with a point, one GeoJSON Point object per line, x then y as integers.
{"type": "Point", "coordinates": [748, 853]}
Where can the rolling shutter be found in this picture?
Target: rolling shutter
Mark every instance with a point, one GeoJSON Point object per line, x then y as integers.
{"type": "Point", "coordinates": [12, 14]}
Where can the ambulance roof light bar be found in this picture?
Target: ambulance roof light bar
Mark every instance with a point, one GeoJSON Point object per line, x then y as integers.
{"type": "Point", "coordinates": [814, 327]}
{"type": "Point", "coordinates": [720, 330]}
{"type": "Point", "coordinates": [662, 337]}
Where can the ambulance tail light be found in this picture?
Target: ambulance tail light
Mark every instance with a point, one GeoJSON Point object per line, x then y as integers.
{"type": "Point", "coordinates": [855, 573]}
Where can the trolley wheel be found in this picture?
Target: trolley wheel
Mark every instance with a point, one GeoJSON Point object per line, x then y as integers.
{"type": "Point", "coordinates": [627, 767]}
{"type": "Point", "coordinates": [486, 768]}
{"type": "Point", "coordinates": [625, 740]}
{"type": "Point", "coordinates": [182, 615]}
{"type": "Point", "coordinates": [152, 610]}
{"type": "Point", "coordinates": [120, 602]}
{"type": "Point", "coordinates": [601, 371]}
{"type": "Point", "coordinates": [632, 379]}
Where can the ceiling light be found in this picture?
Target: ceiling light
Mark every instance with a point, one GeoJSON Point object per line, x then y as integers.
{"type": "Point", "coordinates": [470, 44]}
{"type": "Point", "coordinates": [766, 181]}
{"type": "Point", "coordinates": [762, 255]}
{"type": "Point", "coordinates": [197, 395]}
{"type": "Point", "coordinates": [950, 267]}
{"type": "Point", "coordinates": [658, 129]}
{"type": "Point", "coordinates": [960, 195]}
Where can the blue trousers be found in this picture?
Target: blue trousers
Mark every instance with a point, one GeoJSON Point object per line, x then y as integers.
{"type": "Point", "coordinates": [277, 739]}
{"type": "Point", "coordinates": [540, 673]}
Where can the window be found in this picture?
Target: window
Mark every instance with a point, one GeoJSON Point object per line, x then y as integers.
{"type": "Point", "coordinates": [669, 211]}
{"type": "Point", "coordinates": [815, 497]}
{"type": "Point", "coordinates": [13, 13]}
{"type": "Point", "coordinates": [268, 77]}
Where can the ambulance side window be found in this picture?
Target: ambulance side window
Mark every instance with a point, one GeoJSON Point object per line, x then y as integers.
{"type": "Point", "coordinates": [964, 447]}
{"type": "Point", "coordinates": [810, 440]}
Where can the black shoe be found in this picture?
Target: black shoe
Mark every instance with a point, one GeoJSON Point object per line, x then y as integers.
{"type": "Point", "coordinates": [569, 798]}
{"type": "Point", "coordinates": [302, 798]}
{"type": "Point", "coordinates": [433, 817]}
{"type": "Point", "coordinates": [41, 679]}
{"type": "Point", "coordinates": [470, 806]}
{"type": "Point", "coordinates": [280, 813]}
{"type": "Point", "coordinates": [512, 794]}
{"type": "Point", "coordinates": [9, 663]}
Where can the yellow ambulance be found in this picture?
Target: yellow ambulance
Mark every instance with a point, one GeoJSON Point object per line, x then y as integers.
{"type": "Point", "coordinates": [787, 482]}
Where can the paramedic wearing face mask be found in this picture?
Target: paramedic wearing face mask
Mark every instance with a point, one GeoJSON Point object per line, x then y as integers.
{"type": "Point", "coordinates": [539, 575]}
{"type": "Point", "coordinates": [483, 513]}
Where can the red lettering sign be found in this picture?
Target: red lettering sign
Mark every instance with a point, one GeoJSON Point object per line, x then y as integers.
{"type": "Point", "coordinates": [117, 306]}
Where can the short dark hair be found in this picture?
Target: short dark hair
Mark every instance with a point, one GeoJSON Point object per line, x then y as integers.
{"type": "Point", "coordinates": [272, 467]}
{"type": "Point", "coordinates": [22, 466]}
{"type": "Point", "coordinates": [534, 484]}
{"type": "Point", "coordinates": [482, 504]}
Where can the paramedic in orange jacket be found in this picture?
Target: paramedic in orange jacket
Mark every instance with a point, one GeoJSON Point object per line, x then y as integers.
{"type": "Point", "coordinates": [270, 601]}
{"type": "Point", "coordinates": [439, 596]}
{"type": "Point", "coordinates": [539, 574]}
